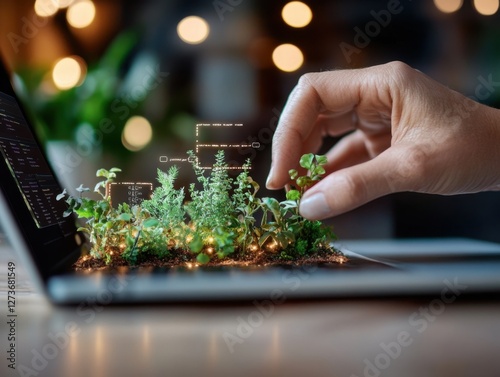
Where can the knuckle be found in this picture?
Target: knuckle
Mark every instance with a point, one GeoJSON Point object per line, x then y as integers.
{"type": "Point", "coordinates": [399, 67]}
{"type": "Point", "coordinates": [400, 71]}
{"type": "Point", "coordinates": [306, 79]}
{"type": "Point", "coordinates": [412, 168]}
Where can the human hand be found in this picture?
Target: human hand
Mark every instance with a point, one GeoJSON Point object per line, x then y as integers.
{"type": "Point", "coordinates": [410, 133]}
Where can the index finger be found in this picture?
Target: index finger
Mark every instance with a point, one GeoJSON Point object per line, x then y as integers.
{"type": "Point", "coordinates": [314, 94]}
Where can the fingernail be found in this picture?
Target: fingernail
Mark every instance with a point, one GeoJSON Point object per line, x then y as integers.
{"type": "Point", "coordinates": [270, 178]}
{"type": "Point", "coordinates": [315, 207]}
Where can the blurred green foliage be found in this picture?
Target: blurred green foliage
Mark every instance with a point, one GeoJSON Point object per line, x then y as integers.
{"type": "Point", "coordinates": [93, 104]}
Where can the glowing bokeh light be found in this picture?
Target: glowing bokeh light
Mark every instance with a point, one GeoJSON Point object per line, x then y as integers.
{"type": "Point", "coordinates": [486, 7]}
{"type": "Point", "coordinates": [297, 14]}
{"type": "Point", "coordinates": [68, 73]}
{"type": "Point", "coordinates": [81, 14]}
{"type": "Point", "coordinates": [64, 3]}
{"type": "Point", "coordinates": [193, 30]}
{"type": "Point", "coordinates": [137, 133]}
{"type": "Point", "coordinates": [46, 8]}
{"type": "Point", "coordinates": [288, 57]}
{"type": "Point", "coordinates": [448, 6]}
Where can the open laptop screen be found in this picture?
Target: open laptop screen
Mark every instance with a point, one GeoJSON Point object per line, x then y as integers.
{"type": "Point", "coordinates": [27, 165]}
{"type": "Point", "coordinates": [29, 189]}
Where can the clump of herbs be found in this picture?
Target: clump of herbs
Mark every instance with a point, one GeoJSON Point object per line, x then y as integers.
{"type": "Point", "coordinates": [224, 219]}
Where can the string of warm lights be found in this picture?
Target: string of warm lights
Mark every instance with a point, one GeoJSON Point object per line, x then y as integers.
{"type": "Point", "coordinates": [483, 7]}
{"type": "Point", "coordinates": [70, 71]}
{"type": "Point", "coordinates": [286, 57]}
{"type": "Point", "coordinates": [79, 14]}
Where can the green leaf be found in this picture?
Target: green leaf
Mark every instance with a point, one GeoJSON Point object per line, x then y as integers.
{"type": "Point", "coordinates": [265, 237]}
{"type": "Point", "coordinates": [303, 181]}
{"type": "Point", "coordinates": [104, 205]}
{"type": "Point", "coordinates": [272, 204]}
{"type": "Point", "coordinates": [254, 184]}
{"type": "Point", "coordinates": [288, 236]}
{"type": "Point", "coordinates": [203, 258]}
{"type": "Point", "coordinates": [81, 189]}
{"type": "Point", "coordinates": [151, 222]}
{"type": "Point", "coordinates": [226, 250]}
{"type": "Point", "coordinates": [293, 174]}
{"type": "Point", "coordinates": [129, 240]}
{"type": "Point", "coordinates": [102, 173]}
{"type": "Point", "coordinates": [84, 213]}
{"type": "Point", "coordinates": [125, 217]}
{"type": "Point", "coordinates": [115, 170]}
{"type": "Point", "coordinates": [124, 207]}
{"type": "Point", "coordinates": [321, 159]}
{"type": "Point", "coordinates": [196, 244]}
{"type": "Point", "coordinates": [72, 202]}
{"type": "Point", "coordinates": [99, 185]}
{"type": "Point", "coordinates": [62, 195]}
{"type": "Point", "coordinates": [306, 161]}
{"type": "Point", "coordinates": [287, 204]}
{"type": "Point", "coordinates": [293, 195]}
{"type": "Point", "coordinates": [319, 170]}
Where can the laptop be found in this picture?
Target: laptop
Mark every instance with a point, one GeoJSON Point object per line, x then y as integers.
{"type": "Point", "coordinates": [48, 244]}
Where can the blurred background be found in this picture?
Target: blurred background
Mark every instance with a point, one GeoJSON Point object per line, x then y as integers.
{"type": "Point", "coordinates": [125, 83]}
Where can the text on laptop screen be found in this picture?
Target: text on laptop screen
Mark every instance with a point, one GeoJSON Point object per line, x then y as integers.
{"type": "Point", "coordinates": [27, 164]}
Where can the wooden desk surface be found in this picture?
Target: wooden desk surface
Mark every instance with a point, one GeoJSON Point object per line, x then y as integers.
{"type": "Point", "coordinates": [328, 338]}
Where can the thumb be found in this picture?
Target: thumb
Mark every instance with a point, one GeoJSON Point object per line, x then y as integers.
{"type": "Point", "coordinates": [349, 188]}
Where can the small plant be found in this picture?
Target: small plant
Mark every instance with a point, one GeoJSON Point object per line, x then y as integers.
{"type": "Point", "coordinates": [167, 206]}
{"type": "Point", "coordinates": [225, 222]}
{"type": "Point", "coordinates": [289, 231]}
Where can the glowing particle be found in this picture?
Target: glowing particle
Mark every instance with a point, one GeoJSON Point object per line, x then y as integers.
{"type": "Point", "coordinates": [81, 14]}
{"type": "Point", "coordinates": [193, 30]}
{"type": "Point", "coordinates": [486, 7]}
{"type": "Point", "coordinates": [448, 6]}
{"type": "Point", "coordinates": [68, 73]}
{"type": "Point", "coordinates": [297, 14]}
{"type": "Point", "coordinates": [137, 133]}
{"type": "Point", "coordinates": [288, 57]}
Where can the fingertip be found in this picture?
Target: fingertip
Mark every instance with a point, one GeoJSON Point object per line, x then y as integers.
{"type": "Point", "coordinates": [276, 179]}
{"type": "Point", "coordinates": [274, 184]}
{"type": "Point", "coordinates": [348, 188]}
{"type": "Point", "coordinates": [333, 196]}
{"type": "Point", "coordinates": [270, 182]}
{"type": "Point", "coordinates": [315, 207]}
